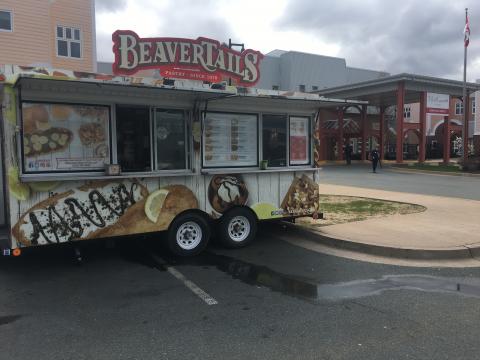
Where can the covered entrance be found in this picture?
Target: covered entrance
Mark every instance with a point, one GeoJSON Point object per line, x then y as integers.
{"type": "Point", "coordinates": [401, 132]}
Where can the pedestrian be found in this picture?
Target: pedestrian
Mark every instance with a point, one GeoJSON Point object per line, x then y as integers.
{"type": "Point", "coordinates": [348, 153]}
{"type": "Point", "coordinates": [374, 158]}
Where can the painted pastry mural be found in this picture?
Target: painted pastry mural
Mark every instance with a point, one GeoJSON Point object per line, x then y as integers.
{"type": "Point", "coordinates": [102, 209]}
{"type": "Point", "coordinates": [302, 197]}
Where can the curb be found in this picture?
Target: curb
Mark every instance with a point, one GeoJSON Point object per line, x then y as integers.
{"type": "Point", "coordinates": [453, 253]}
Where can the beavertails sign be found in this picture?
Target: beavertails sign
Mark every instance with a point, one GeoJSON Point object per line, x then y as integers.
{"type": "Point", "coordinates": [201, 59]}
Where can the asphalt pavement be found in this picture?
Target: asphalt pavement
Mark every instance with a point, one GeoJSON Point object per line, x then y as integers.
{"type": "Point", "coordinates": [386, 178]}
{"type": "Point", "coordinates": [274, 300]}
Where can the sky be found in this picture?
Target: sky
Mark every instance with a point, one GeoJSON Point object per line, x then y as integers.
{"type": "Point", "coordinates": [416, 36]}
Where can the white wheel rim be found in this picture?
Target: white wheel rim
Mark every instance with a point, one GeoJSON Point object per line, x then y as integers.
{"type": "Point", "coordinates": [189, 235]}
{"type": "Point", "coordinates": [238, 228]}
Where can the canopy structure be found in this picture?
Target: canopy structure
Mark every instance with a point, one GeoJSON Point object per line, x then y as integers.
{"type": "Point", "coordinates": [398, 90]}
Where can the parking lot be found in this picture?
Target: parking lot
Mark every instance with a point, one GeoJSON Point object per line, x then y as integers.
{"type": "Point", "coordinates": [272, 300]}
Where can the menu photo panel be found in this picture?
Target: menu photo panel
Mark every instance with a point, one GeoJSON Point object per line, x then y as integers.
{"type": "Point", "coordinates": [299, 140]}
{"type": "Point", "coordinates": [65, 137]}
{"type": "Point", "coordinates": [230, 140]}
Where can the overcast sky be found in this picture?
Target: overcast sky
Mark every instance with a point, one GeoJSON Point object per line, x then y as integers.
{"type": "Point", "coordinates": [417, 36]}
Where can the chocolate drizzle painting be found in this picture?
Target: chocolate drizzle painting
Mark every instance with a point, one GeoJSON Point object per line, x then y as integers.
{"type": "Point", "coordinates": [79, 213]}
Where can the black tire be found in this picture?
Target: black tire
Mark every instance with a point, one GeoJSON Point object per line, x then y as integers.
{"type": "Point", "coordinates": [237, 228]}
{"type": "Point", "coordinates": [193, 232]}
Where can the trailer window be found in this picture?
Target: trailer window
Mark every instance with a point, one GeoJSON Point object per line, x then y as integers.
{"type": "Point", "coordinates": [274, 138]}
{"type": "Point", "coordinates": [133, 138]}
{"type": "Point", "coordinates": [230, 140]}
{"type": "Point", "coordinates": [170, 139]}
{"type": "Point", "coordinates": [299, 140]}
{"type": "Point", "coordinates": [65, 137]}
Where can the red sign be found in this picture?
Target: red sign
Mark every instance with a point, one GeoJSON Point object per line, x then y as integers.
{"type": "Point", "coordinates": [201, 59]}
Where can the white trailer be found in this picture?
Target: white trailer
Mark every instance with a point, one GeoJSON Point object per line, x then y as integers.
{"type": "Point", "coordinates": [88, 156]}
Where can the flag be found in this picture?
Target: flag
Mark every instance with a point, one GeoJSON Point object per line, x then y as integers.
{"type": "Point", "coordinates": [466, 32]}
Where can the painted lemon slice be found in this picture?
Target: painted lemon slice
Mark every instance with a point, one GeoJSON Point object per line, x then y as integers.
{"type": "Point", "coordinates": [19, 190]}
{"type": "Point", "coordinates": [154, 204]}
{"type": "Point", "coordinates": [44, 186]}
{"type": "Point", "coordinates": [266, 211]}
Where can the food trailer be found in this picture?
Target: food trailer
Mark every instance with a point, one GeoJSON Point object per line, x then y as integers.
{"type": "Point", "coordinates": [88, 156]}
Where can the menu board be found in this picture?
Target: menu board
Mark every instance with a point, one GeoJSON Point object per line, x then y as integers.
{"type": "Point", "coordinates": [229, 140]}
{"type": "Point", "coordinates": [64, 137]}
{"type": "Point", "coordinates": [299, 144]}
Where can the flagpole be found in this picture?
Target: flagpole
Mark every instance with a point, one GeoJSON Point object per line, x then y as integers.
{"type": "Point", "coordinates": [466, 101]}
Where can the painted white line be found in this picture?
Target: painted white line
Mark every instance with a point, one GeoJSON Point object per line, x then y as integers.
{"type": "Point", "coordinates": [209, 300]}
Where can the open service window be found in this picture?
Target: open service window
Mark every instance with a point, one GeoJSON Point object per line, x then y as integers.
{"type": "Point", "coordinates": [133, 138]}
{"type": "Point", "coordinates": [170, 139]}
{"type": "Point", "coordinates": [230, 140]}
{"type": "Point", "coordinates": [274, 140]}
{"type": "Point", "coordinates": [286, 140]}
{"type": "Point", "coordinates": [59, 137]}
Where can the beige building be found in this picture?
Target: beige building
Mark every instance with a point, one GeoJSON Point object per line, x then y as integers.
{"type": "Point", "coordinates": [51, 33]}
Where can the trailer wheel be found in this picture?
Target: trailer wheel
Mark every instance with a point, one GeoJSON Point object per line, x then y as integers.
{"type": "Point", "coordinates": [237, 228]}
{"type": "Point", "coordinates": [188, 235]}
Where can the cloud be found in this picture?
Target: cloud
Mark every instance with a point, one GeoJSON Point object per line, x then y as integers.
{"type": "Point", "coordinates": [159, 18]}
{"type": "Point", "coordinates": [110, 5]}
{"type": "Point", "coordinates": [396, 36]}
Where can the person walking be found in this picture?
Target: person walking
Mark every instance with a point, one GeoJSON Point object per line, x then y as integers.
{"type": "Point", "coordinates": [374, 158]}
{"type": "Point", "coordinates": [348, 153]}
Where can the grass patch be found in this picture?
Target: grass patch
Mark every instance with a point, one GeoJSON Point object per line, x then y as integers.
{"type": "Point", "coordinates": [338, 209]}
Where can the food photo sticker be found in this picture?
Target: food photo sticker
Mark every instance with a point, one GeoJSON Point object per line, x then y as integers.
{"type": "Point", "coordinates": [226, 191]}
{"type": "Point", "coordinates": [55, 134]}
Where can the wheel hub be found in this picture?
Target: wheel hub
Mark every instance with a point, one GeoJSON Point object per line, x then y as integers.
{"type": "Point", "coordinates": [189, 235]}
{"type": "Point", "coordinates": [239, 228]}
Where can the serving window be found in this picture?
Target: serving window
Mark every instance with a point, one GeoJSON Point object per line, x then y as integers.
{"type": "Point", "coordinates": [133, 138]}
{"type": "Point", "coordinates": [274, 139]}
{"type": "Point", "coordinates": [170, 139]}
{"type": "Point", "coordinates": [286, 140]}
{"type": "Point", "coordinates": [65, 137]}
{"type": "Point", "coordinates": [230, 140]}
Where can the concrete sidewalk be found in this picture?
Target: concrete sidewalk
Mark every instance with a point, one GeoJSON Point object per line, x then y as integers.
{"type": "Point", "coordinates": [448, 229]}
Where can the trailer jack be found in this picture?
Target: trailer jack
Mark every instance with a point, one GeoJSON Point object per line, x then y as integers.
{"type": "Point", "coordinates": [78, 255]}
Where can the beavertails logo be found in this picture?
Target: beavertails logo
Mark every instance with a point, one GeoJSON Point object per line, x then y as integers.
{"type": "Point", "coordinates": [201, 59]}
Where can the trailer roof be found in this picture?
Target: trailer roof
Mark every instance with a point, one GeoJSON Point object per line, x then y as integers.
{"type": "Point", "coordinates": [149, 86]}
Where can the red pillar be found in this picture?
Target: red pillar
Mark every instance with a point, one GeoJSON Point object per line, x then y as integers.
{"type": "Point", "coordinates": [382, 133]}
{"type": "Point", "coordinates": [364, 132]}
{"type": "Point", "coordinates": [400, 106]}
{"type": "Point", "coordinates": [340, 135]}
{"type": "Point", "coordinates": [322, 150]}
{"type": "Point", "coordinates": [423, 127]}
{"type": "Point", "coordinates": [446, 140]}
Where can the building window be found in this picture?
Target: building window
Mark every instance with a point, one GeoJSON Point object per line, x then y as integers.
{"type": "Point", "coordinates": [301, 88]}
{"type": "Point", "coordinates": [69, 42]}
{"type": "Point", "coordinates": [6, 23]}
{"type": "Point", "coordinates": [459, 108]}
{"type": "Point", "coordinates": [406, 112]}
{"type": "Point", "coordinates": [314, 87]}
{"type": "Point", "coordinates": [275, 87]}
{"type": "Point", "coordinates": [473, 105]}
